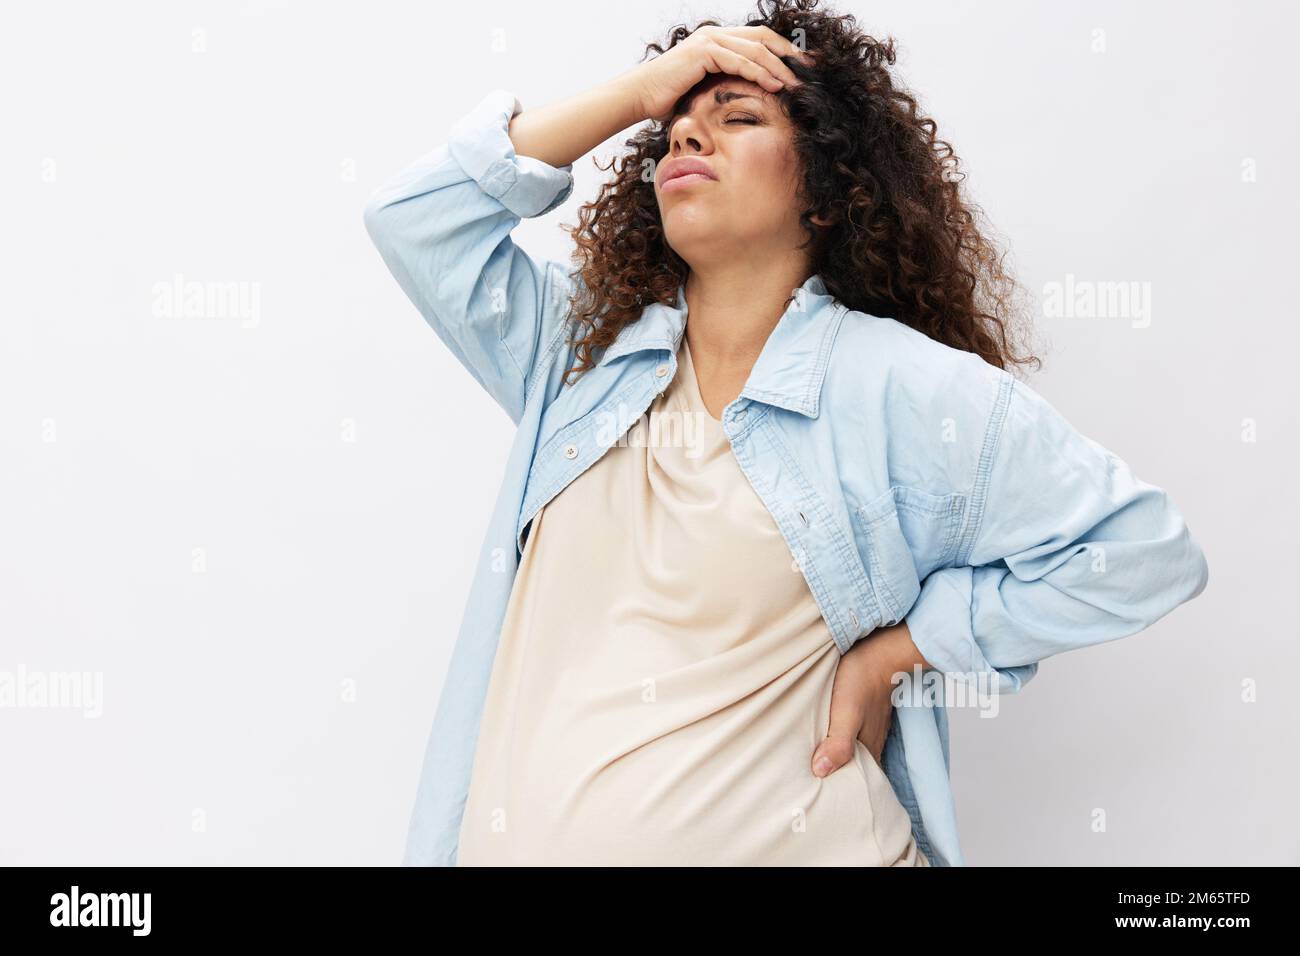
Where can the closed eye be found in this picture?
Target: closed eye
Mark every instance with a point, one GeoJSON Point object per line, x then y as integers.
{"type": "Point", "coordinates": [749, 120]}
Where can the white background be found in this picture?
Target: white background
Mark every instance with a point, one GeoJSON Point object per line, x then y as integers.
{"type": "Point", "coordinates": [330, 566]}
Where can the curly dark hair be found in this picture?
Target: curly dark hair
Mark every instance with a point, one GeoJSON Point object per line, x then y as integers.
{"type": "Point", "coordinates": [902, 241]}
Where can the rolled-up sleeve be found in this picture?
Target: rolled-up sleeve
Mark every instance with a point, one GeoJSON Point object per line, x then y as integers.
{"type": "Point", "coordinates": [443, 227]}
{"type": "Point", "coordinates": [1063, 547]}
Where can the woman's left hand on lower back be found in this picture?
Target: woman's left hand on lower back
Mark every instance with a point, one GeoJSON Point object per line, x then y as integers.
{"type": "Point", "coordinates": [860, 697]}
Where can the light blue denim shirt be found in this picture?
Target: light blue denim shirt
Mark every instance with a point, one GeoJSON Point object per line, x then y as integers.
{"type": "Point", "coordinates": [910, 480]}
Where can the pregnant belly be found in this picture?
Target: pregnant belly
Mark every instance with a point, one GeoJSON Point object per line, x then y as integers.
{"type": "Point", "coordinates": [704, 765]}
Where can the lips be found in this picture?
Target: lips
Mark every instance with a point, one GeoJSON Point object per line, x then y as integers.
{"type": "Point", "coordinates": [687, 170]}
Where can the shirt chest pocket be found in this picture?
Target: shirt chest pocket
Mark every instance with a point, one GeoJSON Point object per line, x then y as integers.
{"type": "Point", "coordinates": [905, 534]}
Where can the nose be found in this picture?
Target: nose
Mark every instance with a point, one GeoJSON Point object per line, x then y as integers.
{"type": "Point", "coordinates": [689, 136]}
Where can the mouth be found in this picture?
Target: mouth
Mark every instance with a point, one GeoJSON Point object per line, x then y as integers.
{"type": "Point", "coordinates": [684, 180]}
{"type": "Point", "coordinates": [684, 173]}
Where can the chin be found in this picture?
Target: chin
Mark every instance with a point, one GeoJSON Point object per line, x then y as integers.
{"type": "Point", "coordinates": [688, 229]}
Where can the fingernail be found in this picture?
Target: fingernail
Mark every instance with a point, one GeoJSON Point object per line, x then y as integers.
{"type": "Point", "coordinates": [822, 767]}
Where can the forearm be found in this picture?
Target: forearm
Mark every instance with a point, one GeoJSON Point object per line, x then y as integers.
{"type": "Point", "coordinates": [561, 132]}
{"type": "Point", "coordinates": [894, 650]}
{"type": "Point", "coordinates": [443, 227]}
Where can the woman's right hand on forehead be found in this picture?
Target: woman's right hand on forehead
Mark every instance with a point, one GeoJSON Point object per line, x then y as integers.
{"type": "Point", "coordinates": [752, 53]}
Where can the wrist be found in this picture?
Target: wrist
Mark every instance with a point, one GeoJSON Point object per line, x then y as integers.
{"type": "Point", "coordinates": [895, 651]}
{"type": "Point", "coordinates": [625, 93]}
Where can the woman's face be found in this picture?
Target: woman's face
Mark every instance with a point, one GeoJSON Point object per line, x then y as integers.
{"type": "Point", "coordinates": [741, 201]}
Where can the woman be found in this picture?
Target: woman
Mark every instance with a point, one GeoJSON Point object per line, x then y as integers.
{"type": "Point", "coordinates": [769, 460]}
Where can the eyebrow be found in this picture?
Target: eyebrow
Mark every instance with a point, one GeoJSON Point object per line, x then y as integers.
{"type": "Point", "coordinates": [721, 97]}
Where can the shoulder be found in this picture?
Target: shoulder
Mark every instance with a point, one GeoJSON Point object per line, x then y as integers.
{"type": "Point", "coordinates": [908, 366]}
{"type": "Point", "coordinates": [937, 409]}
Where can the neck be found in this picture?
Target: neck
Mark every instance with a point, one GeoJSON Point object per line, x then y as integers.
{"type": "Point", "coordinates": [733, 306]}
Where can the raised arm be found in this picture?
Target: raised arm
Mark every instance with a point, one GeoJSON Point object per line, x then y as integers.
{"type": "Point", "coordinates": [443, 225]}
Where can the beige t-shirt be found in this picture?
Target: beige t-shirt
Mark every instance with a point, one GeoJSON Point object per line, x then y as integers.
{"type": "Point", "coordinates": [664, 675]}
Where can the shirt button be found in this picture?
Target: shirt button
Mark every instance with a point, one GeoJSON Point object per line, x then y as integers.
{"type": "Point", "coordinates": [740, 415]}
{"type": "Point", "coordinates": [570, 451]}
{"type": "Point", "coordinates": [661, 371]}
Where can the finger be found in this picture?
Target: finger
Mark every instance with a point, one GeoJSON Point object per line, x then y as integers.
{"type": "Point", "coordinates": [847, 711]}
{"type": "Point", "coordinates": [831, 754]}
{"type": "Point", "coordinates": [781, 46]}
{"type": "Point", "coordinates": [729, 61]}
{"type": "Point", "coordinates": [761, 55]}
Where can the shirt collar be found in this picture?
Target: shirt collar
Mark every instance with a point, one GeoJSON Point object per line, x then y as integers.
{"type": "Point", "coordinates": [793, 363]}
